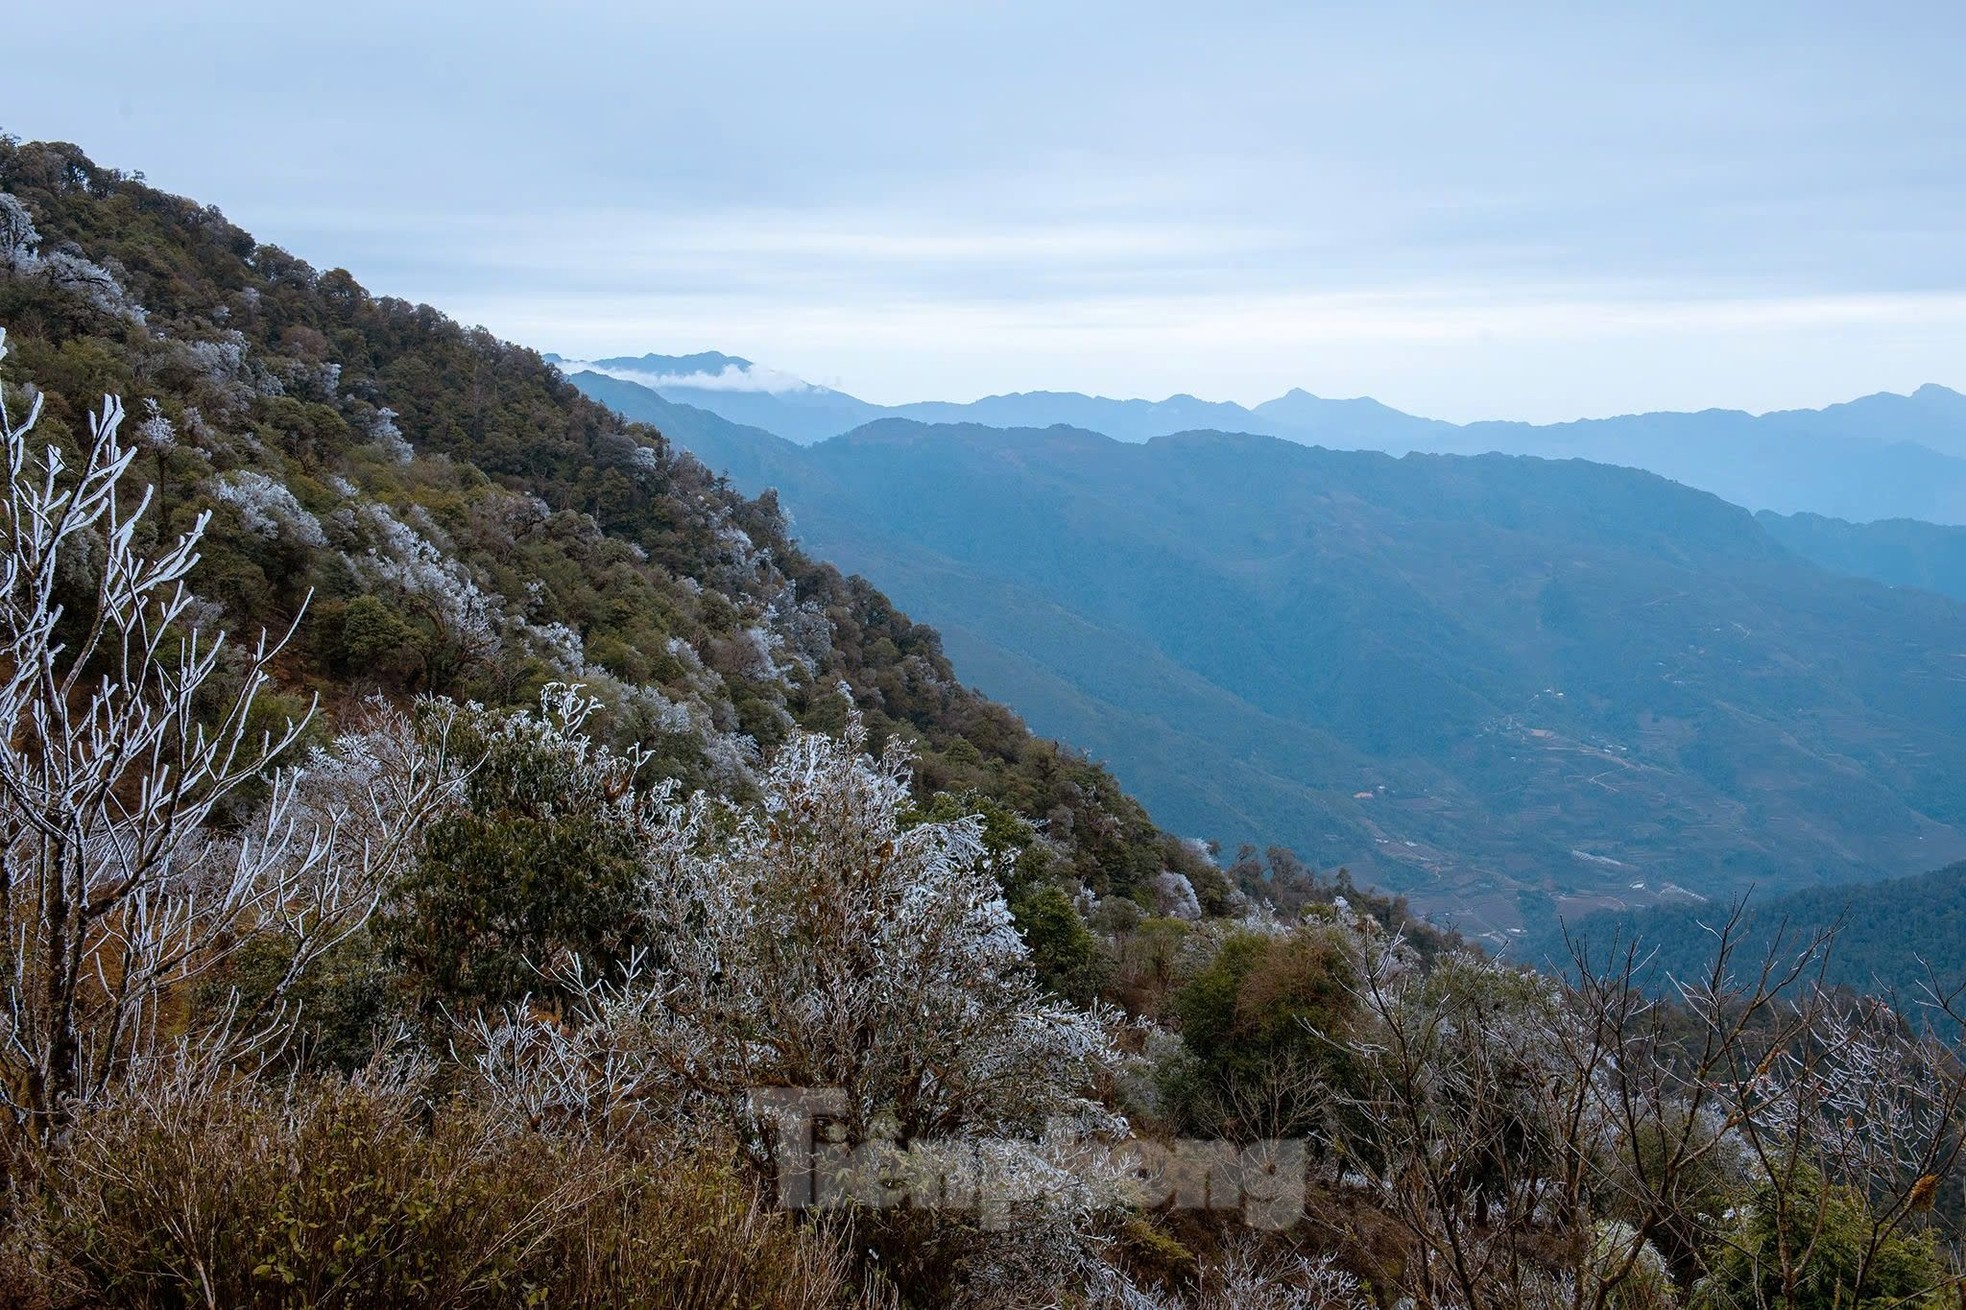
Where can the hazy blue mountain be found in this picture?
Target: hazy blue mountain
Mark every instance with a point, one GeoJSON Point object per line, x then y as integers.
{"type": "Point", "coordinates": [1365, 423]}
{"type": "Point", "coordinates": [793, 409]}
{"type": "Point", "coordinates": [1124, 420]}
{"type": "Point", "coordinates": [690, 427]}
{"type": "Point", "coordinates": [1850, 465]}
{"type": "Point", "coordinates": [1897, 552]}
{"type": "Point", "coordinates": [705, 362]}
{"type": "Point", "coordinates": [1887, 933]}
{"type": "Point", "coordinates": [1579, 686]}
{"type": "Point", "coordinates": [1932, 416]}
{"type": "Point", "coordinates": [1880, 456]}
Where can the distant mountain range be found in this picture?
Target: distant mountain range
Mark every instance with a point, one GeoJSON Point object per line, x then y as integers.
{"type": "Point", "coordinates": [1898, 552]}
{"type": "Point", "coordinates": [1881, 456]}
{"type": "Point", "coordinates": [1510, 686]}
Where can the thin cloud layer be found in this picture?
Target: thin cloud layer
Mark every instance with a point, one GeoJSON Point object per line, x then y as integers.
{"type": "Point", "coordinates": [728, 378]}
{"type": "Point", "coordinates": [1513, 213]}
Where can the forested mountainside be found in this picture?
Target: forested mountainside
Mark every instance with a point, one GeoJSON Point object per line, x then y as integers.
{"type": "Point", "coordinates": [703, 983]}
{"type": "Point", "coordinates": [455, 992]}
{"type": "Point", "coordinates": [1879, 456]}
{"type": "Point", "coordinates": [1900, 937]}
{"type": "Point", "coordinates": [1896, 552]}
{"type": "Point", "coordinates": [467, 523]}
{"type": "Point", "coordinates": [1509, 686]}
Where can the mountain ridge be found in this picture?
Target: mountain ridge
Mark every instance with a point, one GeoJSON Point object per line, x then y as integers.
{"type": "Point", "coordinates": [1878, 456]}
{"type": "Point", "coordinates": [436, 511]}
{"type": "Point", "coordinates": [1892, 938]}
{"type": "Point", "coordinates": [1259, 635]}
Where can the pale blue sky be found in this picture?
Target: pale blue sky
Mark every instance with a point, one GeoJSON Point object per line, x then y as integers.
{"type": "Point", "coordinates": [1534, 211]}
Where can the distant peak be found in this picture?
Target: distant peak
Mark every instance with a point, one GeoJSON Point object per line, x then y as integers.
{"type": "Point", "coordinates": [703, 361]}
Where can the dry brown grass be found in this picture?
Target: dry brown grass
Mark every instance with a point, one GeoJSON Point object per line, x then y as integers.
{"type": "Point", "coordinates": [342, 1195]}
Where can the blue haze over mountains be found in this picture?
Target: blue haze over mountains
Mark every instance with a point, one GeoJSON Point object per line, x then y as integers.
{"type": "Point", "coordinates": [1877, 457]}
{"type": "Point", "coordinates": [1513, 687]}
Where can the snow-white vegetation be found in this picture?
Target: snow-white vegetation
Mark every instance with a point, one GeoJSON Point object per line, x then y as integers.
{"type": "Point", "coordinates": [117, 886]}
{"type": "Point", "coordinates": [182, 876]}
{"type": "Point", "coordinates": [267, 507]}
{"type": "Point", "coordinates": [21, 255]}
{"type": "Point", "coordinates": [820, 940]}
{"type": "Point", "coordinates": [404, 561]}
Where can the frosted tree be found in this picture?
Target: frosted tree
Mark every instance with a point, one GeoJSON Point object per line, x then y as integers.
{"type": "Point", "coordinates": [122, 738]}
{"type": "Point", "coordinates": [822, 940]}
{"type": "Point", "coordinates": [21, 256]}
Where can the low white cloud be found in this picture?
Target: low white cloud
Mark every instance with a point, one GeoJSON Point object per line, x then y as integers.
{"type": "Point", "coordinates": [729, 378]}
{"type": "Point", "coordinates": [1546, 354]}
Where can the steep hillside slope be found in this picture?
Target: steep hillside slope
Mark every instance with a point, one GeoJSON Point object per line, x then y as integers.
{"type": "Point", "coordinates": [467, 523]}
{"type": "Point", "coordinates": [1502, 684]}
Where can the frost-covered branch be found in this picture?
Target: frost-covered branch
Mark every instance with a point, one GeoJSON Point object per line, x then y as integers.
{"type": "Point", "coordinates": [118, 750]}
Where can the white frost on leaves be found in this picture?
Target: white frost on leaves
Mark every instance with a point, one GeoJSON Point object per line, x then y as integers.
{"type": "Point", "coordinates": [268, 508]}
{"type": "Point", "coordinates": [729, 757]}
{"type": "Point", "coordinates": [559, 645]}
{"type": "Point", "coordinates": [92, 282]}
{"type": "Point", "coordinates": [1260, 918]}
{"type": "Point", "coordinates": [686, 655]}
{"type": "Point", "coordinates": [419, 517]}
{"type": "Point", "coordinates": [403, 558]}
{"type": "Point", "coordinates": [384, 433]}
{"type": "Point", "coordinates": [662, 714]}
{"type": "Point", "coordinates": [758, 649]}
{"type": "Point", "coordinates": [18, 239]}
{"type": "Point", "coordinates": [806, 634]}
{"type": "Point", "coordinates": [1176, 895]}
{"type": "Point", "coordinates": [1248, 1277]}
{"type": "Point", "coordinates": [742, 563]}
{"type": "Point", "coordinates": [156, 432]}
{"type": "Point", "coordinates": [154, 859]}
{"type": "Point", "coordinates": [222, 365]}
{"type": "Point", "coordinates": [819, 940]}
{"type": "Point", "coordinates": [221, 362]}
{"type": "Point", "coordinates": [21, 256]}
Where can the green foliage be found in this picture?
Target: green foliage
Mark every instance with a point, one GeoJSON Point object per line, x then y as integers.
{"type": "Point", "coordinates": [1649, 1284]}
{"type": "Point", "coordinates": [1279, 879]}
{"type": "Point", "coordinates": [1809, 1246]}
{"type": "Point", "coordinates": [1892, 937]}
{"type": "Point", "coordinates": [1706, 1189]}
{"type": "Point", "coordinates": [1263, 1020]}
{"type": "Point", "coordinates": [1069, 959]}
{"type": "Point", "coordinates": [344, 1000]}
{"type": "Point", "coordinates": [375, 642]}
{"type": "Point", "coordinates": [538, 866]}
